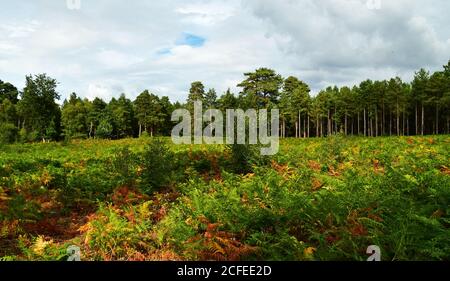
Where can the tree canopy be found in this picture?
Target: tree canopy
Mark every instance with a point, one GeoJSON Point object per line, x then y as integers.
{"type": "Point", "coordinates": [372, 108]}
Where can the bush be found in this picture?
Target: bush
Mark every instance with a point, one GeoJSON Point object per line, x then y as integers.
{"type": "Point", "coordinates": [145, 135]}
{"type": "Point", "coordinates": [33, 136]}
{"type": "Point", "coordinates": [111, 236]}
{"type": "Point", "coordinates": [123, 166]}
{"type": "Point", "coordinates": [105, 129]}
{"type": "Point", "coordinates": [245, 156]}
{"type": "Point", "coordinates": [8, 133]}
{"type": "Point", "coordinates": [23, 135]}
{"type": "Point", "coordinates": [157, 166]}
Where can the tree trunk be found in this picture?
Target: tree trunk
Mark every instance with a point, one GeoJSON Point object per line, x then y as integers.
{"type": "Point", "coordinates": [322, 131]}
{"type": "Point", "coordinates": [335, 120]}
{"type": "Point", "coordinates": [280, 129]}
{"type": "Point", "coordinates": [404, 124]}
{"type": "Point", "coordinates": [423, 119]}
{"type": "Point", "coordinates": [376, 121]}
{"type": "Point", "coordinates": [365, 124]}
{"type": "Point", "coordinates": [416, 125]}
{"type": "Point", "coordinates": [398, 120]}
{"type": "Point", "coordinates": [358, 124]}
{"type": "Point", "coordinates": [140, 129]}
{"type": "Point", "coordinates": [345, 129]}
{"type": "Point", "coordinates": [390, 123]}
{"type": "Point", "coordinates": [304, 127]}
{"type": "Point", "coordinates": [329, 123]}
{"type": "Point", "coordinates": [437, 119]}
{"type": "Point", "coordinates": [317, 126]}
{"type": "Point", "coordinates": [353, 124]}
{"type": "Point", "coordinates": [90, 129]}
{"type": "Point", "coordinates": [407, 127]}
{"type": "Point", "coordinates": [296, 129]}
{"type": "Point", "coordinates": [308, 124]}
{"type": "Point", "coordinates": [448, 125]}
{"type": "Point", "coordinates": [299, 124]}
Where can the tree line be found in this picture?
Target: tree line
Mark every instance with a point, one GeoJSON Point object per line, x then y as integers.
{"type": "Point", "coordinates": [372, 108]}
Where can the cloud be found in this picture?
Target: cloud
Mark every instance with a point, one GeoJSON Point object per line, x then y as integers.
{"type": "Point", "coordinates": [109, 47]}
{"type": "Point", "coordinates": [116, 59]}
{"type": "Point", "coordinates": [99, 90]}
{"type": "Point", "coordinates": [330, 36]}
{"type": "Point", "coordinates": [207, 13]}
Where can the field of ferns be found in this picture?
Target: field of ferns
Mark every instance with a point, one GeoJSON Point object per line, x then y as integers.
{"type": "Point", "coordinates": [147, 199]}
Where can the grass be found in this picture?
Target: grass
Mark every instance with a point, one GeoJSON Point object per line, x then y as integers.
{"type": "Point", "coordinates": [141, 199]}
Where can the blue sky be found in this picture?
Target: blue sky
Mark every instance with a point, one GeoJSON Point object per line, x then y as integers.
{"type": "Point", "coordinates": [110, 46]}
{"type": "Point", "coordinates": [191, 40]}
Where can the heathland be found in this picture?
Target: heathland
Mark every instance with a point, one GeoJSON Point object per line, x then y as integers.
{"type": "Point", "coordinates": [147, 199]}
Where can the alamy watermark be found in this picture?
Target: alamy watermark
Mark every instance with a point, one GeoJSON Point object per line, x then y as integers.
{"type": "Point", "coordinates": [74, 253]}
{"type": "Point", "coordinates": [373, 4]}
{"type": "Point", "coordinates": [73, 4]}
{"type": "Point", "coordinates": [375, 253]}
{"type": "Point", "coordinates": [237, 124]}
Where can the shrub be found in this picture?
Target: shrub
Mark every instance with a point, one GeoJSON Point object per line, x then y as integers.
{"type": "Point", "coordinates": [145, 135]}
{"type": "Point", "coordinates": [123, 166]}
{"type": "Point", "coordinates": [245, 156]}
{"type": "Point", "coordinates": [105, 129]}
{"type": "Point", "coordinates": [113, 236]}
{"type": "Point", "coordinates": [157, 166]}
{"type": "Point", "coordinates": [23, 135]}
{"type": "Point", "coordinates": [8, 133]}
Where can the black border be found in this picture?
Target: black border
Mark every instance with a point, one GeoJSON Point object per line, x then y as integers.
{"type": "Point", "coordinates": [128, 271]}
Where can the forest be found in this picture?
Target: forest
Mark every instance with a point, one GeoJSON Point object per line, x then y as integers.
{"type": "Point", "coordinates": [372, 108]}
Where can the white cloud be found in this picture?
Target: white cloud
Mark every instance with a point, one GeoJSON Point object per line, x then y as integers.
{"type": "Point", "coordinates": [346, 36]}
{"type": "Point", "coordinates": [207, 13]}
{"type": "Point", "coordinates": [15, 31]}
{"type": "Point", "coordinates": [115, 59]}
{"type": "Point", "coordinates": [98, 90]}
{"type": "Point", "coordinates": [109, 46]}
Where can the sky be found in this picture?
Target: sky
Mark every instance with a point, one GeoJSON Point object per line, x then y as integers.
{"type": "Point", "coordinates": [103, 48]}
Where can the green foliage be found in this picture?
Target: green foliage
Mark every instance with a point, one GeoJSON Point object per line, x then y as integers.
{"type": "Point", "coordinates": [23, 135]}
{"type": "Point", "coordinates": [157, 166]}
{"type": "Point", "coordinates": [245, 156]}
{"type": "Point", "coordinates": [373, 108]}
{"type": "Point", "coordinates": [74, 118]}
{"type": "Point", "coordinates": [105, 129]}
{"type": "Point", "coordinates": [43, 249]}
{"type": "Point", "coordinates": [8, 133]}
{"type": "Point", "coordinates": [123, 166]}
{"type": "Point", "coordinates": [263, 84]}
{"type": "Point", "coordinates": [122, 113]}
{"type": "Point", "coordinates": [8, 91]}
{"type": "Point", "coordinates": [110, 236]}
{"type": "Point", "coordinates": [149, 112]}
{"type": "Point", "coordinates": [143, 199]}
{"type": "Point", "coordinates": [37, 105]}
